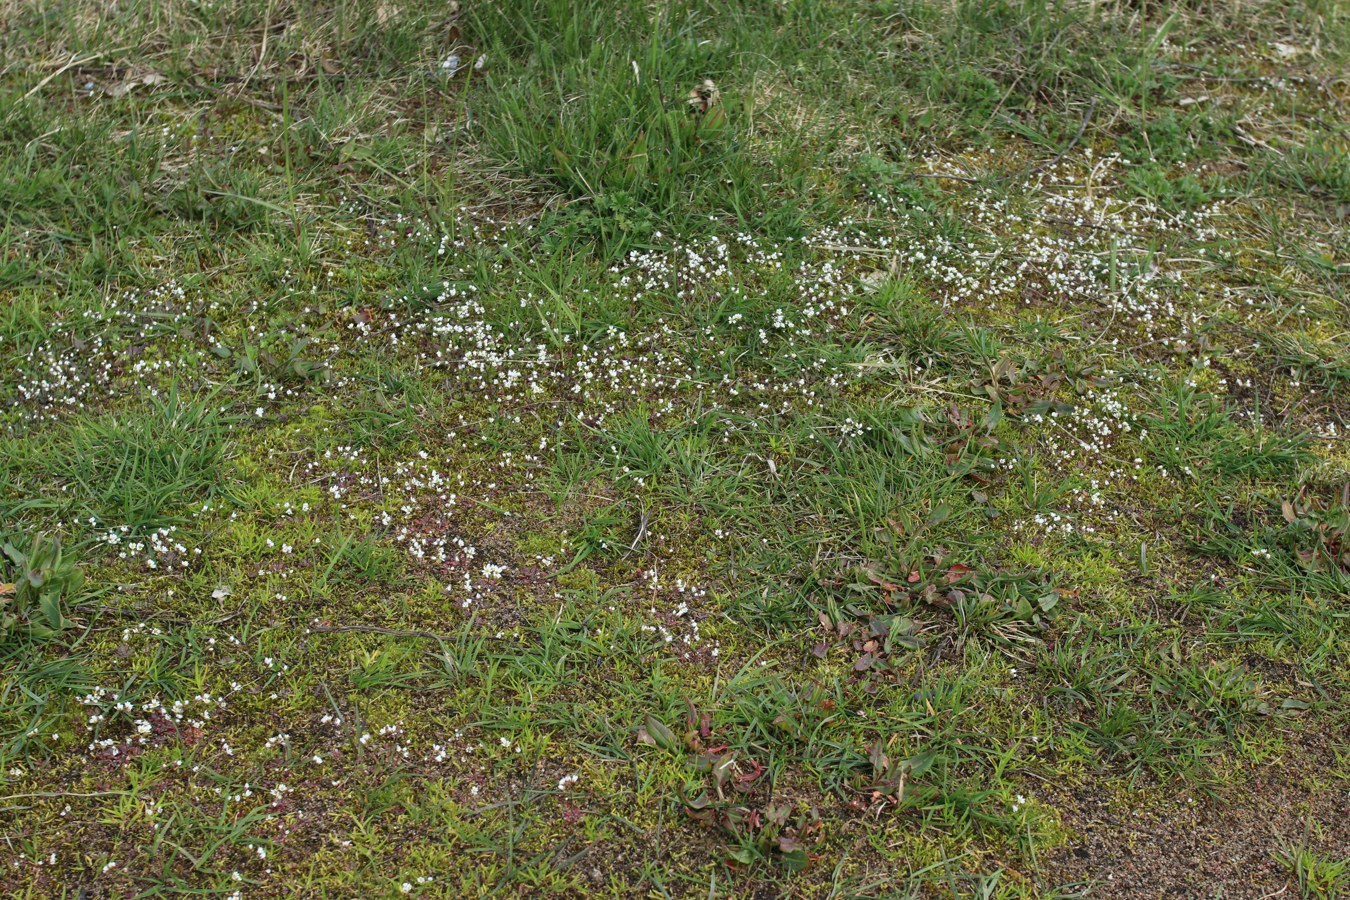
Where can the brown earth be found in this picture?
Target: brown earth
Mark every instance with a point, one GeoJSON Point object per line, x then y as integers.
{"type": "Point", "coordinates": [1227, 845]}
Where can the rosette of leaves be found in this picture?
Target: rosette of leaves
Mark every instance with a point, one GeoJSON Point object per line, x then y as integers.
{"type": "Point", "coordinates": [38, 581]}
{"type": "Point", "coordinates": [1005, 605]}
{"type": "Point", "coordinates": [1318, 528]}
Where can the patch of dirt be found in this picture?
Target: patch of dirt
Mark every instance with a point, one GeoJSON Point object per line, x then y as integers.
{"type": "Point", "coordinates": [1192, 846]}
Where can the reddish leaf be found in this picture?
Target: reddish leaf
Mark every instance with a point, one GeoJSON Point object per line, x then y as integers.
{"type": "Point", "coordinates": [957, 572]}
{"type": "Point", "coordinates": [745, 779]}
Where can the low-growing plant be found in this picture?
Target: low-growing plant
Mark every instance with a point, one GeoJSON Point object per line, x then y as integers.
{"type": "Point", "coordinates": [41, 581]}
{"type": "Point", "coordinates": [1319, 528]}
{"type": "Point", "coordinates": [1318, 876]}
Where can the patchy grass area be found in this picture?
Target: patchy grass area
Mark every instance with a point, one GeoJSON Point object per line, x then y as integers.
{"type": "Point", "coordinates": [824, 448]}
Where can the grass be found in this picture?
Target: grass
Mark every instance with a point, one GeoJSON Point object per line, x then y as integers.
{"type": "Point", "coordinates": [826, 449]}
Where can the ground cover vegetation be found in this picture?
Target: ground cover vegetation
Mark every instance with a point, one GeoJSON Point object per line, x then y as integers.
{"type": "Point", "coordinates": [784, 448]}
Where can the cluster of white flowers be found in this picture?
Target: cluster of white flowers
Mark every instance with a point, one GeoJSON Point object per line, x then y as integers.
{"type": "Point", "coordinates": [82, 361]}
{"type": "Point", "coordinates": [158, 549]}
{"type": "Point", "coordinates": [678, 624]}
{"type": "Point", "coordinates": [117, 723]}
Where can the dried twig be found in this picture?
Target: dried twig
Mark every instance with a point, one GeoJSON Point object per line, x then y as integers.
{"type": "Point", "coordinates": [1064, 151]}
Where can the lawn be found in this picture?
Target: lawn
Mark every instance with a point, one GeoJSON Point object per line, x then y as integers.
{"type": "Point", "coordinates": [600, 448]}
